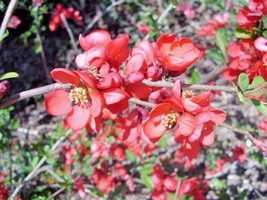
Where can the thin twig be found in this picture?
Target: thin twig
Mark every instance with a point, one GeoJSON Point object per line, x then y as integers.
{"type": "Point", "coordinates": [72, 40]}
{"type": "Point", "coordinates": [191, 87]}
{"type": "Point", "coordinates": [212, 75]}
{"type": "Point", "coordinates": [237, 130]}
{"type": "Point", "coordinates": [56, 193]}
{"type": "Point", "coordinates": [31, 93]}
{"type": "Point", "coordinates": [39, 38]}
{"type": "Point", "coordinates": [48, 169]}
{"type": "Point", "coordinates": [7, 16]}
{"type": "Point", "coordinates": [142, 103]}
{"type": "Point", "coordinates": [224, 125]}
{"type": "Point", "coordinates": [40, 163]}
{"type": "Point", "coordinates": [98, 17]}
{"type": "Point", "coordinates": [45, 89]}
{"type": "Point", "coordinates": [161, 17]}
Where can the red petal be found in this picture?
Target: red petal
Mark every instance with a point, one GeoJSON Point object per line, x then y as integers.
{"type": "Point", "coordinates": [87, 78]}
{"type": "Point", "coordinates": [78, 118]}
{"type": "Point", "coordinates": [191, 149]}
{"type": "Point", "coordinates": [112, 96]}
{"type": "Point", "coordinates": [153, 130]}
{"type": "Point", "coordinates": [57, 102]}
{"type": "Point", "coordinates": [177, 89]}
{"type": "Point", "coordinates": [62, 75]}
{"type": "Point", "coordinates": [94, 38]}
{"type": "Point", "coordinates": [97, 103]}
{"type": "Point", "coordinates": [208, 137]}
{"type": "Point", "coordinates": [94, 123]}
{"type": "Point", "coordinates": [186, 124]}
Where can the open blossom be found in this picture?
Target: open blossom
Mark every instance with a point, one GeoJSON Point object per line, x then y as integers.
{"type": "Point", "coordinates": [261, 44]}
{"type": "Point", "coordinates": [69, 13]}
{"type": "Point", "coordinates": [82, 104]}
{"type": "Point", "coordinates": [176, 54]}
{"type": "Point", "coordinates": [191, 117]}
{"type": "Point", "coordinates": [166, 116]}
{"type": "Point", "coordinates": [14, 22]}
{"type": "Point", "coordinates": [100, 48]}
{"type": "Point", "coordinates": [250, 15]}
{"type": "Point", "coordinates": [194, 187]}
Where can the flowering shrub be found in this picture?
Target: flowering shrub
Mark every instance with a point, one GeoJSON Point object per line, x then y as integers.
{"type": "Point", "coordinates": [128, 120]}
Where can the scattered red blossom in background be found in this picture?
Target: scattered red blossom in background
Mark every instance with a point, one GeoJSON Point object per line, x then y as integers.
{"type": "Point", "coordinates": [14, 22]}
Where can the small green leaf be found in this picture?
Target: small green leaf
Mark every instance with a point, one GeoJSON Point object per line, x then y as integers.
{"type": "Point", "coordinates": [130, 156]}
{"type": "Point", "coordinates": [218, 184]}
{"type": "Point", "coordinates": [264, 21]}
{"type": "Point", "coordinates": [4, 36]}
{"type": "Point", "coordinates": [258, 80]}
{"type": "Point", "coordinates": [264, 33]}
{"type": "Point", "coordinates": [243, 33]}
{"type": "Point", "coordinates": [221, 41]}
{"type": "Point", "coordinates": [34, 161]}
{"type": "Point", "coordinates": [216, 55]}
{"type": "Point", "coordinates": [147, 180]}
{"type": "Point", "coordinates": [243, 82]}
{"type": "Point", "coordinates": [9, 75]}
{"type": "Point", "coordinates": [260, 106]}
{"type": "Point", "coordinates": [163, 142]}
{"type": "Point", "coordinates": [241, 97]}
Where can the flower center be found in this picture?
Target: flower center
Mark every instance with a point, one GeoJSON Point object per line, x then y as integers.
{"type": "Point", "coordinates": [169, 120]}
{"type": "Point", "coordinates": [188, 94]}
{"type": "Point", "coordinates": [79, 95]}
{"type": "Point", "coordinates": [94, 71]}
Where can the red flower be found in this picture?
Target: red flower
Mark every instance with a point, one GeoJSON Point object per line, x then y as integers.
{"type": "Point", "coordinates": [239, 154]}
{"type": "Point", "coordinates": [4, 193]}
{"type": "Point", "coordinates": [195, 187]}
{"type": "Point", "coordinates": [80, 104]}
{"type": "Point", "coordinates": [69, 13]}
{"type": "Point", "coordinates": [100, 48]}
{"type": "Point", "coordinates": [166, 116]}
{"type": "Point", "coordinates": [95, 38]}
{"type": "Point", "coordinates": [176, 54]}
{"type": "Point", "coordinates": [14, 22]}
{"type": "Point", "coordinates": [203, 133]}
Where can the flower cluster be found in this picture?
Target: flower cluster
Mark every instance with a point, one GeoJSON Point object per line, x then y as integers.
{"type": "Point", "coordinates": [101, 88]}
{"type": "Point", "coordinates": [250, 15]}
{"type": "Point", "coordinates": [69, 13]}
{"type": "Point", "coordinates": [249, 53]}
{"type": "Point", "coordinates": [190, 115]}
{"type": "Point", "coordinates": [218, 21]}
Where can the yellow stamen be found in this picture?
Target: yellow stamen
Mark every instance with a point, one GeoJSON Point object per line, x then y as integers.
{"type": "Point", "coordinates": [79, 95]}
{"type": "Point", "coordinates": [169, 120]}
{"type": "Point", "coordinates": [188, 94]}
{"type": "Point", "coordinates": [94, 72]}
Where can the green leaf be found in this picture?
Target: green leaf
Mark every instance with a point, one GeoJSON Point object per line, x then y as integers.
{"type": "Point", "coordinates": [218, 184]}
{"type": "Point", "coordinates": [195, 76]}
{"type": "Point", "coordinates": [258, 80]}
{"type": "Point", "coordinates": [4, 36]}
{"type": "Point", "coordinates": [264, 21]}
{"type": "Point", "coordinates": [264, 33]}
{"type": "Point", "coordinates": [147, 180]}
{"type": "Point", "coordinates": [130, 156]}
{"type": "Point", "coordinates": [118, 191]}
{"type": "Point", "coordinates": [34, 161]}
{"type": "Point", "coordinates": [145, 172]}
{"type": "Point", "coordinates": [9, 75]}
{"type": "Point", "coordinates": [243, 82]}
{"type": "Point", "coordinates": [260, 106]}
{"type": "Point", "coordinates": [163, 142]}
{"type": "Point", "coordinates": [216, 55]}
{"type": "Point", "coordinates": [243, 33]}
{"type": "Point", "coordinates": [221, 41]}
{"type": "Point", "coordinates": [241, 97]}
